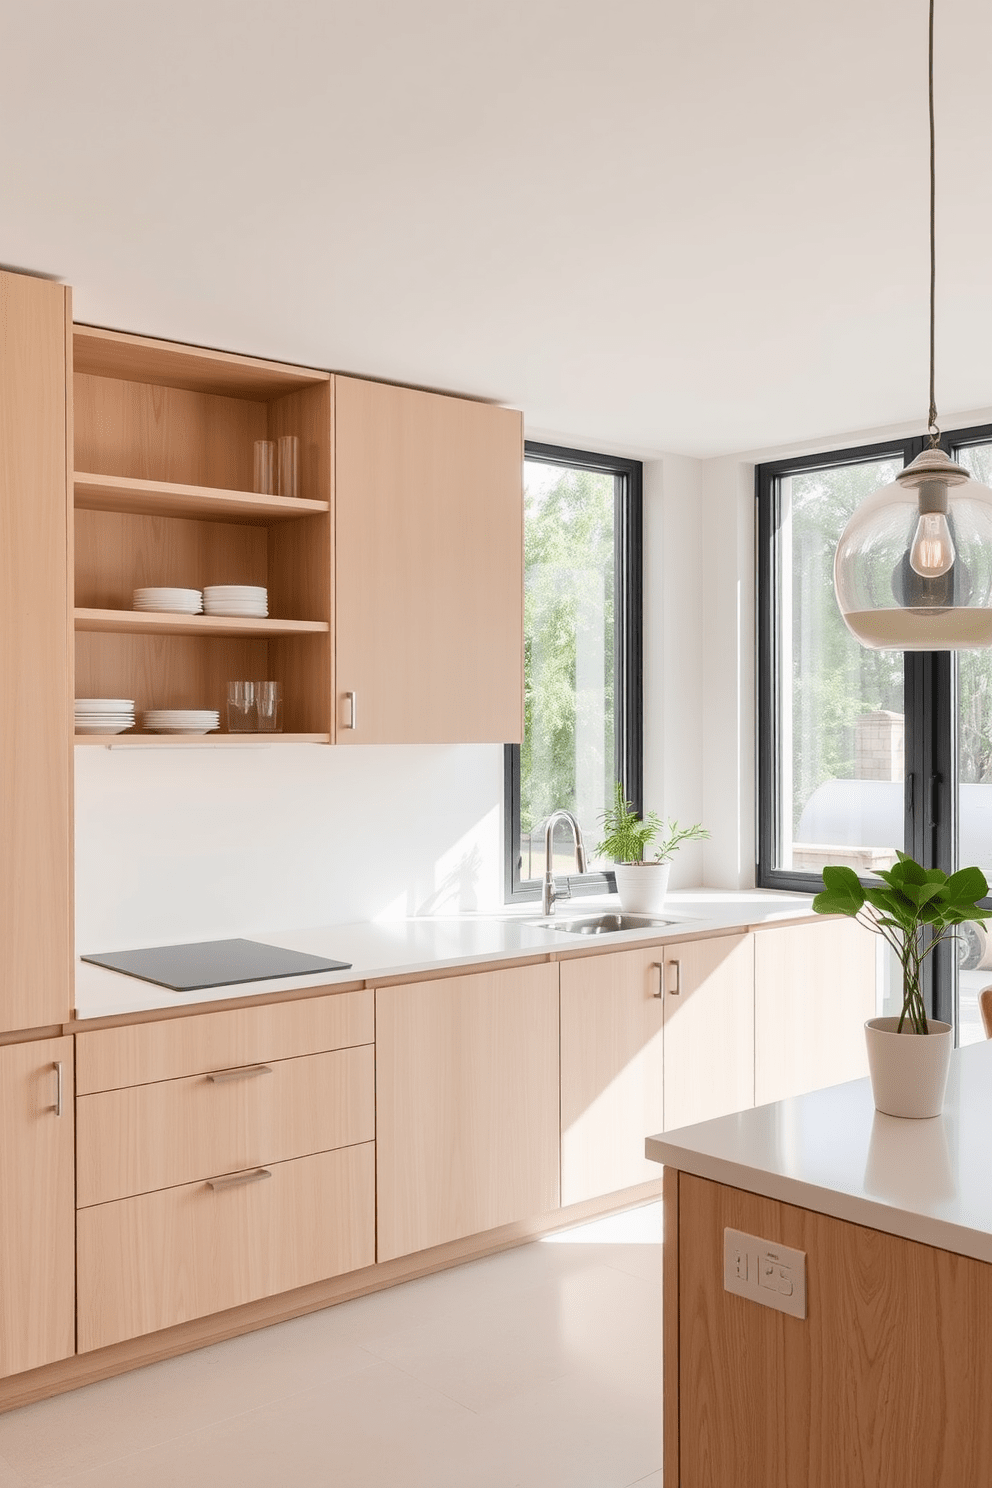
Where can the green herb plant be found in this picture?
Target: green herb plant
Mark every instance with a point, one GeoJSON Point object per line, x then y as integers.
{"type": "Point", "coordinates": [626, 835]}
{"type": "Point", "coordinates": [914, 910]}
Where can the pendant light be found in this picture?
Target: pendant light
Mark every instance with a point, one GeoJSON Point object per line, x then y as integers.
{"type": "Point", "coordinates": [913, 568]}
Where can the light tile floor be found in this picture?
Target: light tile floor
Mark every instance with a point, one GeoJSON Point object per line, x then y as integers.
{"type": "Point", "coordinates": [538, 1368]}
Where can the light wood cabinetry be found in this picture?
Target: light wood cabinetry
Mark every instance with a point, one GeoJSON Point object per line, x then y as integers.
{"type": "Point", "coordinates": [137, 1053]}
{"type": "Point", "coordinates": [35, 657]}
{"type": "Point", "coordinates": [466, 1105]}
{"type": "Point", "coordinates": [156, 1136]}
{"type": "Point", "coordinates": [612, 1070]}
{"type": "Point", "coordinates": [885, 1381]}
{"type": "Point", "coordinates": [650, 1040]}
{"type": "Point", "coordinates": [814, 989]}
{"type": "Point", "coordinates": [428, 567]}
{"type": "Point", "coordinates": [709, 1028]}
{"type": "Point", "coordinates": [180, 1253]}
{"type": "Point", "coordinates": [222, 1158]}
{"type": "Point", "coordinates": [37, 1319]}
{"type": "Point", "coordinates": [164, 441]}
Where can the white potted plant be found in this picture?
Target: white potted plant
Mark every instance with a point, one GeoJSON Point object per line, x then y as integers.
{"type": "Point", "coordinates": [642, 881]}
{"type": "Point", "coordinates": [914, 909]}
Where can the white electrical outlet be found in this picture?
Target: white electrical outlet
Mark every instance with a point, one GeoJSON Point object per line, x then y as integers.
{"type": "Point", "coordinates": [774, 1275]}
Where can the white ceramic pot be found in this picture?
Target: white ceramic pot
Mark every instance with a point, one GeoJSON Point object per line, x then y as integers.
{"type": "Point", "coordinates": [908, 1070]}
{"type": "Point", "coordinates": [642, 886]}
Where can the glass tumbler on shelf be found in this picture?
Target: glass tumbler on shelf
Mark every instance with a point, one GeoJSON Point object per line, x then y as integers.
{"type": "Point", "coordinates": [265, 467]}
{"type": "Point", "coordinates": [289, 465]}
{"type": "Point", "coordinates": [268, 703]}
{"type": "Point", "coordinates": [242, 709]}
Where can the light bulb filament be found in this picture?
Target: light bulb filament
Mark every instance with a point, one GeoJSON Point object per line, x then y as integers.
{"type": "Point", "coordinates": [932, 553]}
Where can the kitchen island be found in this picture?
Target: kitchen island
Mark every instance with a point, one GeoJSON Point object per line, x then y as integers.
{"type": "Point", "coordinates": [881, 1374]}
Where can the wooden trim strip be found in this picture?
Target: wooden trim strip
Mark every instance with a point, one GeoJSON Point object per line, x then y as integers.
{"type": "Point", "coordinates": [670, 1330]}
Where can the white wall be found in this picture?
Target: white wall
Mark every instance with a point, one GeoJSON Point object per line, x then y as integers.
{"type": "Point", "coordinates": [185, 844]}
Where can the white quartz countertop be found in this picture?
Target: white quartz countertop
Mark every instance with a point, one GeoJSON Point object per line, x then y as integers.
{"type": "Point", "coordinates": [832, 1152]}
{"type": "Point", "coordinates": [422, 946]}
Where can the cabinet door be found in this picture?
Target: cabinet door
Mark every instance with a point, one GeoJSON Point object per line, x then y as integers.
{"type": "Point", "coordinates": [814, 988]}
{"type": "Point", "coordinates": [35, 748]}
{"type": "Point", "coordinates": [709, 1029]}
{"type": "Point", "coordinates": [37, 1282]}
{"type": "Point", "coordinates": [466, 1105]}
{"type": "Point", "coordinates": [429, 568]}
{"type": "Point", "coordinates": [612, 1071]}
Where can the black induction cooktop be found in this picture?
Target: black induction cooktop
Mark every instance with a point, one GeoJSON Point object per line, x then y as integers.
{"type": "Point", "coordinates": [212, 963]}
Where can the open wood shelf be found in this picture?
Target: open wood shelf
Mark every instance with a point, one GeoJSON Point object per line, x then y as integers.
{"type": "Point", "coordinates": [101, 353]}
{"type": "Point", "coordinates": [121, 493]}
{"type": "Point", "coordinates": [155, 622]}
{"type": "Point", "coordinates": [166, 741]}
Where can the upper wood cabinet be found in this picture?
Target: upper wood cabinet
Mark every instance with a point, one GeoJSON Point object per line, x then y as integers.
{"type": "Point", "coordinates": [428, 568]}
{"type": "Point", "coordinates": [164, 447]}
{"type": "Point", "coordinates": [37, 1278]}
{"type": "Point", "coordinates": [35, 664]}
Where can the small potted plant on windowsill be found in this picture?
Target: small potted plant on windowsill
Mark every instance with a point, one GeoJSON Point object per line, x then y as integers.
{"type": "Point", "coordinates": [914, 909]}
{"type": "Point", "coordinates": [642, 881]}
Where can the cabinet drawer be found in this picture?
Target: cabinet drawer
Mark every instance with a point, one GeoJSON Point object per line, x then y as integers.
{"type": "Point", "coordinates": [164, 1258]}
{"type": "Point", "coordinates": [139, 1053]}
{"type": "Point", "coordinates": [157, 1136]}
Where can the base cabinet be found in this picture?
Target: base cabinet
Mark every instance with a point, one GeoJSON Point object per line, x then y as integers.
{"type": "Point", "coordinates": [466, 1105]}
{"type": "Point", "coordinates": [612, 1071]}
{"type": "Point", "coordinates": [165, 1258]}
{"type": "Point", "coordinates": [814, 987]}
{"type": "Point", "coordinates": [37, 1279]}
{"type": "Point", "coordinates": [650, 1040]}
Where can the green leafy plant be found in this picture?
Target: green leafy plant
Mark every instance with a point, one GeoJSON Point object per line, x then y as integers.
{"type": "Point", "coordinates": [626, 835]}
{"type": "Point", "coordinates": [914, 910]}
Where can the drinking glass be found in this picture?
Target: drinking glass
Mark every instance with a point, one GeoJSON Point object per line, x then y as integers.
{"type": "Point", "coordinates": [268, 704]}
{"type": "Point", "coordinates": [265, 467]}
{"type": "Point", "coordinates": [242, 709]}
{"type": "Point", "coordinates": [289, 465]}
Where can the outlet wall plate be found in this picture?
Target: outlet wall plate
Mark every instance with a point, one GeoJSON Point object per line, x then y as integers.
{"type": "Point", "coordinates": [765, 1272]}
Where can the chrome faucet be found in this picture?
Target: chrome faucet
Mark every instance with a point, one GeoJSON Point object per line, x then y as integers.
{"type": "Point", "coordinates": [549, 893]}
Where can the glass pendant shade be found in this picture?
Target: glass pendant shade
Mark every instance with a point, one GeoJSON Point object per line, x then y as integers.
{"type": "Point", "coordinates": [913, 568]}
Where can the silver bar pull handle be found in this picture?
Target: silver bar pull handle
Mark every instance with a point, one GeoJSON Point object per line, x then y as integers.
{"type": "Point", "coordinates": [243, 1072]}
{"type": "Point", "coordinates": [659, 967]}
{"type": "Point", "coordinates": [238, 1180]}
{"type": "Point", "coordinates": [351, 698]}
{"type": "Point", "coordinates": [673, 977]}
{"type": "Point", "coordinates": [58, 1087]}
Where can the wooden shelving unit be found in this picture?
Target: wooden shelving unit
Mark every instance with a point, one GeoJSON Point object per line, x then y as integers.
{"type": "Point", "coordinates": [164, 445]}
{"type": "Point", "coordinates": [167, 741]}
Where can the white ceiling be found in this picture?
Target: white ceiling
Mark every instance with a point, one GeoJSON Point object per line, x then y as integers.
{"type": "Point", "coordinates": [696, 227]}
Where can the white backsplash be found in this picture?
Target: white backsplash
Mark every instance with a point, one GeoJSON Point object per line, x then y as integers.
{"type": "Point", "coordinates": [186, 844]}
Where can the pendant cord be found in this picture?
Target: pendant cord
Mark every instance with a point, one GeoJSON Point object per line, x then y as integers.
{"type": "Point", "coordinates": [932, 420]}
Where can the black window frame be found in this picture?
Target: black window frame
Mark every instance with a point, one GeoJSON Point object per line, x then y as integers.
{"type": "Point", "coordinates": [628, 663]}
{"type": "Point", "coordinates": [930, 707]}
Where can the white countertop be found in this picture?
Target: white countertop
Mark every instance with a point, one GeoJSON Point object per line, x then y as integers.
{"type": "Point", "coordinates": [832, 1152]}
{"type": "Point", "coordinates": [422, 946]}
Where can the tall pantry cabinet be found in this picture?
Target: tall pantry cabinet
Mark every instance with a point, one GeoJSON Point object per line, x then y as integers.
{"type": "Point", "coordinates": [37, 1317]}
{"type": "Point", "coordinates": [35, 737]}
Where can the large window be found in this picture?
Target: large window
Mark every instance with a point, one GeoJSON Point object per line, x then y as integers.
{"type": "Point", "coordinates": [860, 751]}
{"type": "Point", "coordinates": [582, 673]}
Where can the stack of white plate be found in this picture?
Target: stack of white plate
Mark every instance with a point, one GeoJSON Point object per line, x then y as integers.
{"type": "Point", "coordinates": [236, 599]}
{"type": "Point", "coordinates": [177, 601]}
{"type": "Point", "coordinates": [180, 720]}
{"type": "Point", "coordinates": [104, 715]}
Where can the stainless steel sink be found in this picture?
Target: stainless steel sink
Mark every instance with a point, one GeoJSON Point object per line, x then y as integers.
{"type": "Point", "coordinates": [609, 924]}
